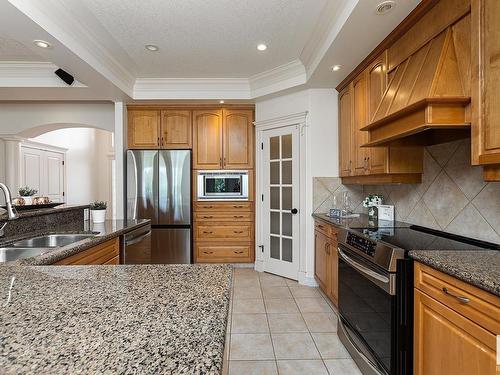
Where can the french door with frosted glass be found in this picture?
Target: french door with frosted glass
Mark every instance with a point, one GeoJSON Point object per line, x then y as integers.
{"type": "Point", "coordinates": [280, 187]}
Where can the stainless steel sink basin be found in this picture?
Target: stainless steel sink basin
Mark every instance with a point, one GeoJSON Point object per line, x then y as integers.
{"type": "Point", "coordinates": [51, 240]}
{"type": "Point", "coordinates": [8, 254]}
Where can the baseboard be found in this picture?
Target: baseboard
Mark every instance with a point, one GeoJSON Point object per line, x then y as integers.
{"type": "Point", "coordinates": [307, 280]}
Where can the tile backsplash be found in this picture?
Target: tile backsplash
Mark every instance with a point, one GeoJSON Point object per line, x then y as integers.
{"type": "Point", "coordinates": [452, 196]}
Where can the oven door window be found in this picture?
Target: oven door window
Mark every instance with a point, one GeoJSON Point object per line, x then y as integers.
{"type": "Point", "coordinates": [368, 309]}
{"type": "Point", "coordinates": [222, 186]}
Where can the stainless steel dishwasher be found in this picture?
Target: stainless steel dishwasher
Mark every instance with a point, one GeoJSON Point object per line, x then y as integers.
{"type": "Point", "coordinates": [136, 246]}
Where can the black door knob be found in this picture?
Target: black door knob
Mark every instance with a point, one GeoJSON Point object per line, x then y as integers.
{"type": "Point", "coordinates": [294, 211]}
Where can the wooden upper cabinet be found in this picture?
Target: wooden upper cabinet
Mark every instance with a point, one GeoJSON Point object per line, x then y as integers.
{"type": "Point", "coordinates": [207, 139]}
{"type": "Point", "coordinates": [176, 129]}
{"type": "Point", "coordinates": [238, 138]}
{"type": "Point", "coordinates": [360, 118]}
{"type": "Point", "coordinates": [345, 125]}
{"type": "Point", "coordinates": [485, 83]}
{"type": "Point", "coordinates": [143, 129]}
{"type": "Point", "coordinates": [377, 83]}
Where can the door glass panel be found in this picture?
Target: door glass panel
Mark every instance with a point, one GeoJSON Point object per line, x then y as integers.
{"type": "Point", "coordinates": [287, 224]}
{"type": "Point", "coordinates": [287, 198]}
{"type": "Point", "coordinates": [275, 173]}
{"type": "Point", "coordinates": [287, 250]}
{"type": "Point", "coordinates": [286, 146]}
{"type": "Point", "coordinates": [286, 172]}
{"type": "Point", "coordinates": [275, 223]}
{"type": "Point", "coordinates": [275, 198]}
{"type": "Point", "coordinates": [275, 247]}
{"type": "Point", "coordinates": [274, 148]}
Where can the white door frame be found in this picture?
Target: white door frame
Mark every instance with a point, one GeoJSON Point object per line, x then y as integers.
{"type": "Point", "coordinates": [300, 120]}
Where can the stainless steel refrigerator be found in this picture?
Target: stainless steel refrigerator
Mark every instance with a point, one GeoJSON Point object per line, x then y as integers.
{"type": "Point", "coordinates": [159, 188]}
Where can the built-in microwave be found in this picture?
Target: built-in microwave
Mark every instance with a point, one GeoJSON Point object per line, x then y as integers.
{"type": "Point", "coordinates": [222, 185]}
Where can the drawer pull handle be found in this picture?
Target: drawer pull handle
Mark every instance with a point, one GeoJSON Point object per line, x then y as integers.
{"type": "Point", "coordinates": [208, 217]}
{"type": "Point", "coordinates": [320, 226]}
{"type": "Point", "coordinates": [238, 216]}
{"type": "Point", "coordinates": [208, 252]}
{"type": "Point", "coordinates": [237, 206]}
{"type": "Point", "coordinates": [208, 206]}
{"type": "Point", "coordinates": [207, 232]}
{"type": "Point", "coordinates": [460, 298]}
{"type": "Point", "coordinates": [238, 231]}
{"type": "Point", "coordinates": [239, 252]}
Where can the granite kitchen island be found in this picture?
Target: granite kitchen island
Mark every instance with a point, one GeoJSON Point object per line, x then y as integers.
{"type": "Point", "coordinates": [144, 319]}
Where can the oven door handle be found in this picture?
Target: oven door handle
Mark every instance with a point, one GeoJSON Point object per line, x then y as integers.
{"type": "Point", "coordinates": [363, 269]}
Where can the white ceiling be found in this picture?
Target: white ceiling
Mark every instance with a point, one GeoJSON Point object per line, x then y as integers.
{"type": "Point", "coordinates": [13, 50]}
{"type": "Point", "coordinates": [207, 38]}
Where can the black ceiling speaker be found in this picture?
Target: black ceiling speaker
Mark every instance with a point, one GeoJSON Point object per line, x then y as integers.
{"type": "Point", "coordinates": [65, 76]}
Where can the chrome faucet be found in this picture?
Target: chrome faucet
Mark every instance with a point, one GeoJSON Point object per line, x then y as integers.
{"type": "Point", "coordinates": [11, 211]}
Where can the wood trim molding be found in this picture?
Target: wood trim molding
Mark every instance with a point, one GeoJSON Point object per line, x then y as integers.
{"type": "Point", "coordinates": [401, 29]}
{"type": "Point", "coordinates": [43, 146]}
{"type": "Point", "coordinates": [278, 122]}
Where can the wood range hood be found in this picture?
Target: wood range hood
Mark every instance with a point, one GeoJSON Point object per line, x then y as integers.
{"type": "Point", "coordinates": [427, 100]}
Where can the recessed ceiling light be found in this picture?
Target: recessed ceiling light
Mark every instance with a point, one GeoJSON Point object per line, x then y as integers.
{"type": "Point", "coordinates": [335, 68]}
{"type": "Point", "coordinates": [152, 47]}
{"type": "Point", "coordinates": [261, 47]}
{"type": "Point", "coordinates": [42, 43]}
{"type": "Point", "coordinates": [385, 6]}
{"type": "Point", "coordinates": [221, 101]}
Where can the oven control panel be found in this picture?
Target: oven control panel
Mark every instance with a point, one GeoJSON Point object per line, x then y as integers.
{"type": "Point", "coordinates": [363, 244]}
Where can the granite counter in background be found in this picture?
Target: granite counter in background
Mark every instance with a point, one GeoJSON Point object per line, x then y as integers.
{"type": "Point", "coordinates": [155, 319]}
{"type": "Point", "coordinates": [478, 268]}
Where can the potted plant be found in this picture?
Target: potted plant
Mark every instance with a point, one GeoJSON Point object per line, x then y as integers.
{"type": "Point", "coordinates": [98, 211]}
{"type": "Point", "coordinates": [27, 194]}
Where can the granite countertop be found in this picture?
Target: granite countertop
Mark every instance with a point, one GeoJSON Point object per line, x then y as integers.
{"type": "Point", "coordinates": [104, 231]}
{"type": "Point", "coordinates": [478, 268]}
{"type": "Point", "coordinates": [357, 222]}
{"type": "Point", "coordinates": [154, 319]}
{"type": "Point", "coordinates": [45, 211]}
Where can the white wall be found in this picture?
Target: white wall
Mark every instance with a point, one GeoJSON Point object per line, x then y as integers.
{"type": "Point", "coordinates": [88, 173]}
{"type": "Point", "coordinates": [24, 118]}
{"type": "Point", "coordinates": [321, 152]}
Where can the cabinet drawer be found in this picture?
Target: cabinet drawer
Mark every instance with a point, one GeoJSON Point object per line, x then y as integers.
{"type": "Point", "coordinates": [99, 254]}
{"type": "Point", "coordinates": [482, 307]}
{"type": "Point", "coordinates": [241, 232]}
{"type": "Point", "coordinates": [327, 229]}
{"type": "Point", "coordinates": [222, 216]}
{"type": "Point", "coordinates": [223, 206]}
{"type": "Point", "coordinates": [223, 253]}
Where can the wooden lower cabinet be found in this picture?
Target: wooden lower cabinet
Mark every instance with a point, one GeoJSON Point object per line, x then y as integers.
{"type": "Point", "coordinates": [326, 259]}
{"type": "Point", "coordinates": [105, 253]}
{"type": "Point", "coordinates": [224, 232]}
{"type": "Point", "coordinates": [450, 336]}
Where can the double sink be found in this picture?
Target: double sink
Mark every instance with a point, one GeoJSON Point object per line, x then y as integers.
{"type": "Point", "coordinates": [38, 245]}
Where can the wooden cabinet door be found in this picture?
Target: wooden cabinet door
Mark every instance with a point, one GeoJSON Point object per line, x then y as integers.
{"type": "Point", "coordinates": [176, 129]}
{"type": "Point", "coordinates": [143, 129]}
{"type": "Point", "coordinates": [345, 119]}
{"type": "Point", "coordinates": [486, 81]}
{"type": "Point", "coordinates": [377, 83]}
{"type": "Point", "coordinates": [321, 261]}
{"type": "Point", "coordinates": [359, 120]}
{"type": "Point", "coordinates": [207, 139]}
{"type": "Point", "coordinates": [334, 272]}
{"type": "Point", "coordinates": [446, 342]}
{"type": "Point", "coordinates": [238, 139]}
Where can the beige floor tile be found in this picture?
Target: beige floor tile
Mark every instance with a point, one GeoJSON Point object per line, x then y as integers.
{"type": "Point", "coordinates": [281, 305]}
{"type": "Point", "coordinates": [287, 323]}
{"type": "Point", "coordinates": [292, 282]}
{"type": "Point", "coordinates": [253, 368]}
{"type": "Point", "coordinates": [272, 281]}
{"type": "Point", "coordinates": [302, 367]}
{"type": "Point", "coordinates": [294, 346]}
{"type": "Point", "coordinates": [321, 322]}
{"type": "Point", "coordinates": [249, 323]}
{"type": "Point", "coordinates": [276, 292]}
{"type": "Point", "coordinates": [247, 306]}
{"type": "Point", "coordinates": [245, 271]}
{"type": "Point", "coordinates": [246, 282]}
{"type": "Point", "coordinates": [251, 346]}
{"type": "Point", "coordinates": [342, 367]}
{"type": "Point", "coordinates": [247, 292]}
{"type": "Point", "coordinates": [304, 291]}
{"type": "Point", "coordinates": [329, 346]}
{"type": "Point", "coordinates": [312, 305]}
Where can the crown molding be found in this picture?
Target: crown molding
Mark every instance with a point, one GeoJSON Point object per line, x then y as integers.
{"type": "Point", "coordinates": [277, 79]}
{"type": "Point", "coordinates": [70, 31]}
{"type": "Point", "coordinates": [31, 74]}
{"type": "Point", "coordinates": [191, 88]}
{"type": "Point", "coordinates": [276, 122]}
{"type": "Point", "coordinates": [43, 146]}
